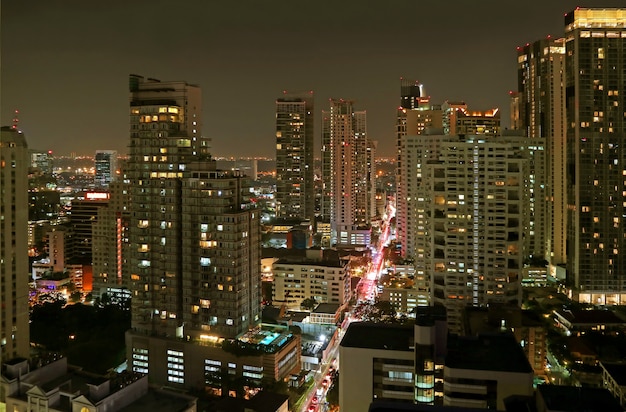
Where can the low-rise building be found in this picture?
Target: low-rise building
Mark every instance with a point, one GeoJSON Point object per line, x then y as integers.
{"type": "Point", "coordinates": [50, 385]}
{"type": "Point", "coordinates": [320, 274]}
{"type": "Point", "coordinates": [326, 314]}
{"type": "Point", "coordinates": [614, 380]}
{"type": "Point", "coordinates": [269, 353]}
{"type": "Point", "coordinates": [577, 322]}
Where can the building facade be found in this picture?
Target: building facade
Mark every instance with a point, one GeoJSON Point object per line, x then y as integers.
{"type": "Point", "coordinates": [110, 245]}
{"type": "Point", "coordinates": [14, 312]}
{"type": "Point", "coordinates": [83, 214]}
{"type": "Point", "coordinates": [420, 364]}
{"type": "Point", "coordinates": [324, 278]}
{"type": "Point", "coordinates": [414, 117]}
{"type": "Point", "coordinates": [105, 167]}
{"type": "Point", "coordinates": [468, 200]}
{"type": "Point", "coordinates": [348, 172]}
{"type": "Point", "coordinates": [540, 107]}
{"type": "Point", "coordinates": [194, 264]}
{"type": "Point", "coordinates": [295, 191]}
{"type": "Point", "coordinates": [595, 46]}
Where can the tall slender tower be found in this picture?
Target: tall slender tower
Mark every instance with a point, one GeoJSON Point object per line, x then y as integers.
{"type": "Point", "coordinates": [14, 162]}
{"type": "Point", "coordinates": [539, 106]}
{"type": "Point", "coordinates": [415, 116]}
{"type": "Point", "coordinates": [194, 234]}
{"type": "Point", "coordinates": [295, 192]}
{"type": "Point", "coordinates": [347, 172]}
{"type": "Point", "coordinates": [596, 154]}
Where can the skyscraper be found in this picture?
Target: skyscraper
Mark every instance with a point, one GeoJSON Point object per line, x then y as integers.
{"type": "Point", "coordinates": [295, 192]}
{"type": "Point", "coordinates": [467, 220]}
{"type": "Point", "coordinates": [194, 235]}
{"type": "Point", "coordinates": [106, 167]}
{"type": "Point", "coordinates": [414, 116]}
{"type": "Point", "coordinates": [539, 105]}
{"type": "Point", "coordinates": [595, 82]}
{"type": "Point", "coordinates": [348, 197]}
{"type": "Point", "coordinates": [14, 162]}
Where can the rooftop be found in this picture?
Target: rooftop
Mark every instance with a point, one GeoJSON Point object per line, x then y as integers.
{"type": "Point", "coordinates": [327, 308]}
{"type": "Point", "coordinates": [573, 398]}
{"type": "Point", "coordinates": [371, 335]}
{"type": "Point", "coordinates": [617, 372]}
{"type": "Point", "coordinates": [595, 316]}
{"type": "Point", "coordinates": [490, 352]}
{"type": "Point", "coordinates": [264, 401]}
{"type": "Point", "coordinates": [160, 401]}
{"type": "Point", "coordinates": [268, 338]}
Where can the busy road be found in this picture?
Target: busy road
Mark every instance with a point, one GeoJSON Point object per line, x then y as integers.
{"type": "Point", "coordinates": [366, 292]}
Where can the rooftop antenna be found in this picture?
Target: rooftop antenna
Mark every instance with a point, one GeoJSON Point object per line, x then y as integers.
{"type": "Point", "coordinates": [16, 119]}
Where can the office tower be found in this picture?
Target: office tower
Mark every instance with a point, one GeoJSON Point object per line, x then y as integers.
{"type": "Point", "coordinates": [467, 201]}
{"type": "Point", "coordinates": [41, 160]}
{"type": "Point", "coordinates": [195, 239]}
{"type": "Point", "coordinates": [83, 213]}
{"type": "Point", "coordinates": [347, 174]}
{"type": "Point", "coordinates": [14, 162]}
{"type": "Point", "coordinates": [595, 83]}
{"type": "Point", "coordinates": [106, 167]}
{"type": "Point", "coordinates": [295, 191]}
{"type": "Point", "coordinates": [415, 116]}
{"type": "Point", "coordinates": [110, 244]}
{"type": "Point", "coordinates": [539, 110]}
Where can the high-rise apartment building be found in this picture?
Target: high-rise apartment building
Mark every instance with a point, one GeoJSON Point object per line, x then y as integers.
{"type": "Point", "coordinates": [14, 162]}
{"type": "Point", "coordinates": [595, 90]}
{"type": "Point", "coordinates": [467, 217]}
{"type": "Point", "coordinates": [415, 116]}
{"type": "Point", "coordinates": [195, 239]}
{"type": "Point", "coordinates": [348, 196]}
{"type": "Point", "coordinates": [539, 110]}
{"type": "Point", "coordinates": [295, 191]}
{"type": "Point", "coordinates": [106, 167]}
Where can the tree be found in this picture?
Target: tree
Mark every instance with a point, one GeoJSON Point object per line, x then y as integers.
{"type": "Point", "coordinates": [75, 296]}
{"type": "Point", "coordinates": [308, 303]}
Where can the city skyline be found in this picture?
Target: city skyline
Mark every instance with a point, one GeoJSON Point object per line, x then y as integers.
{"type": "Point", "coordinates": [58, 55]}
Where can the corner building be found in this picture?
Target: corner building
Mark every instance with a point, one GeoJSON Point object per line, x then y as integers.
{"type": "Point", "coordinates": [595, 81]}
{"type": "Point", "coordinates": [195, 238]}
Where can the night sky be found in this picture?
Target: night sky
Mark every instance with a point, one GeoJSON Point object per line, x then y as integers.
{"type": "Point", "coordinates": [65, 63]}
